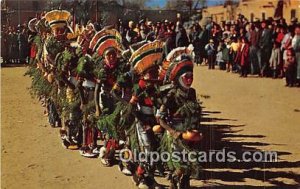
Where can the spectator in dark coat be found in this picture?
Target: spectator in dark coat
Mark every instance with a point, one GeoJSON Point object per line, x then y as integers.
{"type": "Point", "coordinates": [290, 68]}
{"type": "Point", "coordinates": [254, 39]}
{"type": "Point", "coordinates": [170, 37]}
{"type": "Point", "coordinates": [4, 44]}
{"type": "Point", "coordinates": [195, 39]}
{"type": "Point", "coordinates": [211, 52]}
{"type": "Point", "coordinates": [23, 45]}
{"type": "Point", "coordinates": [265, 45]}
{"type": "Point", "coordinates": [204, 38]}
{"type": "Point", "coordinates": [225, 52]}
{"type": "Point", "coordinates": [13, 45]}
{"type": "Point", "coordinates": [182, 39]}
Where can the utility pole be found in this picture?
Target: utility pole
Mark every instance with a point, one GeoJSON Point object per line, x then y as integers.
{"type": "Point", "coordinates": [19, 16]}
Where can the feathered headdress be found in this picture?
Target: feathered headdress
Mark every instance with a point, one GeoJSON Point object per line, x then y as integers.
{"type": "Point", "coordinates": [178, 51]}
{"type": "Point", "coordinates": [147, 56]}
{"type": "Point", "coordinates": [31, 24]}
{"type": "Point", "coordinates": [105, 39]}
{"type": "Point", "coordinates": [127, 53]}
{"type": "Point", "coordinates": [178, 61]}
{"type": "Point", "coordinates": [85, 36]}
{"type": "Point", "coordinates": [58, 18]}
{"type": "Point", "coordinates": [41, 25]}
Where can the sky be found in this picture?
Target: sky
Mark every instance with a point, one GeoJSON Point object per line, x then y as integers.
{"type": "Point", "coordinates": [162, 3]}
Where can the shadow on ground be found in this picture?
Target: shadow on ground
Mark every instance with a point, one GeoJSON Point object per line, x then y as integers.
{"type": "Point", "coordinates": [227, 137]}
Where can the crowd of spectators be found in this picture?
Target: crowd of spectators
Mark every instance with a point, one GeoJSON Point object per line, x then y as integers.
{"type": "Point", "coordinates": [267, 48]}
{"type": "Point", "coordinates": [14, 44]}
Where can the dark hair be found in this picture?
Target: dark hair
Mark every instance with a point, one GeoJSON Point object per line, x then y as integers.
{"type": "Point", "coordinates": [245, 39]}
{"type": "Point", "coordinates": [290, 29]}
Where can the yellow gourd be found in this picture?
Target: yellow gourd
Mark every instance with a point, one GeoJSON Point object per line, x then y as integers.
{"type": "Point", "coordinates": [193, 135]}
{"type": "Point", "coordinates": [157, 129]}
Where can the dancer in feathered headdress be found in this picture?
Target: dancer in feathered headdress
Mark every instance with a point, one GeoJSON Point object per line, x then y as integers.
{"type": "Point", "coordinates": [145, 62]}
{"type": "Point", "coordinates": [106, 68]}
{"type": "Point", "coordinates": [180, 115]}
{"type": "Point", "coordinates": [58, 21]}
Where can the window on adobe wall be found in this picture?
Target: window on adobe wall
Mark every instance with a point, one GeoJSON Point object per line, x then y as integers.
{"type": "Point", "coordinates": [263, 16]}
{"type": "Point", "coordinates": [251, 17]}
{"type": "Point", "coordinates": [293, 13]}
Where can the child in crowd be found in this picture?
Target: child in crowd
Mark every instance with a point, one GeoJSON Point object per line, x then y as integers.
{"type": "Point", "coordinates": [210, 50]}
{"type": "Point", "coordinates": [219, 57]}
{"type": "Point", "coordinates": [275, 60]}
{"type": "Point", "coordinates": [225, 53]}
{"type": "Point", "coordinates": [290, 68]}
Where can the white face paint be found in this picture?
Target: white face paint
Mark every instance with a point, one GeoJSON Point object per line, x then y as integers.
{"type": "Point", "coordinates": [186, 80]}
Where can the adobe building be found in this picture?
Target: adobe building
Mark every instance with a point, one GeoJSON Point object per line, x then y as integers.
{"type": "Point", "coordinates": [252, 9]}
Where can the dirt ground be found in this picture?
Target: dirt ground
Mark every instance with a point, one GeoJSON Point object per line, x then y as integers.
{"type": "Point", "coordinates": [239, 114]}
